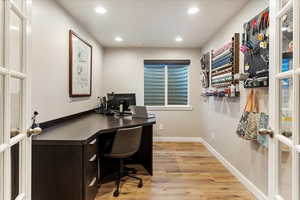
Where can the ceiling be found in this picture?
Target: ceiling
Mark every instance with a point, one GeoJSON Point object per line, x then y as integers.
{"type": "Point", "coordinates": [152, 23]}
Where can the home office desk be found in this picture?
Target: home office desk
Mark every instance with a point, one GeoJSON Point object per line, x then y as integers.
{"type": "Point", "coordinates": [66, 158]}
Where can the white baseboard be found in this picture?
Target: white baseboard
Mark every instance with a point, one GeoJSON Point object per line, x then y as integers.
{"type": "Point", "coordinates": [177, 139]}
{"type": "Point", "coordinates": [246, 182]}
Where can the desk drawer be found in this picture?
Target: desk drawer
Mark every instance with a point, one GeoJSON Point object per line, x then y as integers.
{"type": "Point", "coordinates": [91, 171]}
{"type": "Point", "coordinates": [91, 189]}
{"type": "Point", "coordinates": [91, 168]}
{"type": "Point", "coordinates": [91, 148]}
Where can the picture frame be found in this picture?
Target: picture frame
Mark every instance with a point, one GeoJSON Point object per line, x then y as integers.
{"type": "Point", "coordinates": [205, 70]}
{"type": "Point", "coordinates": [80, 66]}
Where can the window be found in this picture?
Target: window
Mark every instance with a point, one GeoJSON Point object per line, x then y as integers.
{"type": "Point", "coordinates": [166, 83]}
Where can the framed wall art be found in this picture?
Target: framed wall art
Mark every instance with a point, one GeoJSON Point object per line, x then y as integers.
{"type": "Point", "coordinates": [80, 66]}
{"type": "Point", "coordinates": [205, 69]}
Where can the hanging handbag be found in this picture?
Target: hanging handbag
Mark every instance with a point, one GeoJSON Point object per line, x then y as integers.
{"type": "Point", "coordinates": [244, 119]}
{"type": "Point", "coordinates": [248, 125]}
{"type": "Point", "coordinates": [253, 120]}
{"type": "Point", "coordinates": [263, 124]}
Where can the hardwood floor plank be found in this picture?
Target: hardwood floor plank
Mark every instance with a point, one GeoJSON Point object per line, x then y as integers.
{"type": "Point", "coordinates": [182, 171]}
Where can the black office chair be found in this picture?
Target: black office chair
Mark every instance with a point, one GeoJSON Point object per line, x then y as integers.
{"type": "Point", "coordinates": [125, 144]}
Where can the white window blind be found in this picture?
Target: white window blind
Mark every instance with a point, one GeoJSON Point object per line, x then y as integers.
{"type": "Point", "coordinates": [177, 85]}
{"type": "Point", "coordinates": [154, 85]}
{"type": "Point", "coordinates": [166, 83]}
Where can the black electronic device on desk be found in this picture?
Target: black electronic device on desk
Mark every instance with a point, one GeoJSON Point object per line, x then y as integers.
{"type": "Point", "coordinates": [120, 103]}
{"type": "Point", "coordinates": [102, 108]}
{"type": "Point", "coordinates": [255, 47]}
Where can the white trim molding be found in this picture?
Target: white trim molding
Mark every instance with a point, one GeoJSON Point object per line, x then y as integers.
{"type": "Point", "coordinates": [245, 181]}
{"type": "Point", "coordinates": [177, 139]}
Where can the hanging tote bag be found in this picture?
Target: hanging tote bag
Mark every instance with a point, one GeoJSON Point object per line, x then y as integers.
{"type": "Point", "coordinates": [244, 119]}
{"type": "Point", "coordinates": [248, 125]}
{"type": "Point", "coordinates": [253, 120]}
{"type": "Point", "coordinates": [263, 124]}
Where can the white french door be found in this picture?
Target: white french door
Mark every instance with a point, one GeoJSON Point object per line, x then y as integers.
{"type": "Point", "coordinates": [15, 146]}
{"type": "Point", "coordinates": [284, 100]}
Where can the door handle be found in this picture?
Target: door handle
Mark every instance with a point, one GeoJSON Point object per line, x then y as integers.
{"type": "Point", "coordinates": [34, 131]}
{"type": "Point", "coordinates": [15, 132]}
{"type": "Point", "coordinates": [266, 132]}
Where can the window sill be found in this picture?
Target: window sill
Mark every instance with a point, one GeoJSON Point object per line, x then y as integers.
{"type": "Point", "coordinates": [170, 108]}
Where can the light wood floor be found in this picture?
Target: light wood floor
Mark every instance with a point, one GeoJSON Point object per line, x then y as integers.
{"type": "Point", "coordinates": [182, 171]}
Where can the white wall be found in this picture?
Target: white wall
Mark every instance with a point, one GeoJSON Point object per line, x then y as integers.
{"type": "Point", "coordinates": [220, 117]}
{"type": "Point", "coordinates": [50, 62]}
{"type": "Point", "coordinates": [124, 72]}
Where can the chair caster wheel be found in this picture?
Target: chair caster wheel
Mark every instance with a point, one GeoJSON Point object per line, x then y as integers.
{"type": "Point", "coordinates": [116, 193]}
{"type": "Point", "coordinates": [140, 184]}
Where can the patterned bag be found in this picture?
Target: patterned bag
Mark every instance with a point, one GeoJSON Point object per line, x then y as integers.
{"type": "Point", "coordinates": [252, 126]}
{"type": "Point", "coordinates": [248, 125]}
{"type": "Point", "coordinates": [243, 123]}
{"type": "Point", "coordinates": [263, 124]}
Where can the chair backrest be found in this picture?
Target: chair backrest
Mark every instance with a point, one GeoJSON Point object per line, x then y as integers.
{"type": "Point", "coordinates": [126, 142]}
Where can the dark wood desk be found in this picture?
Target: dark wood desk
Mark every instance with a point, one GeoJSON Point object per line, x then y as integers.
{"type": "Point", "coordinates": [65, 158]}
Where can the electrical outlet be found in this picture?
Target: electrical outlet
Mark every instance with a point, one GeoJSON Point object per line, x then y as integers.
{"type": "Point", "coordinates": [161, 127]}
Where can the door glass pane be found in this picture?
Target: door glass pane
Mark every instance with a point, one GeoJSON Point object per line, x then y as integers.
{"type": "Point", "coordinates": [287, 41]}
{"type": "Point", "coordinates": [283, 2]}
{"type": "Point", "coordinates": [285, 172]}
{"type": "Point", "coordinates": [1, 108]}
{"type": "Point", "coordinates": [285, 109]}
{"type": "Point", "coordinates": [16, 106]}
{"type": "Point", "coordinates": [15, 42]}
{"type": "Point", "coordinates": [1, 33]}
{"type": "Point", "coordinates": [15, 167]}
{"type": "Point", "coordinates": [19, 3]}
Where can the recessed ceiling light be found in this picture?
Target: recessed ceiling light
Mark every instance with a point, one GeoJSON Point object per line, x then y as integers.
{"type": "Point", "coordinates": [119, 39]}
{"type": "Point", "coordinates": [178, 39]}
{"type": "Point", "coordinates": [193, 10]}
{"type": "Point", "coordinates": [100, 10]}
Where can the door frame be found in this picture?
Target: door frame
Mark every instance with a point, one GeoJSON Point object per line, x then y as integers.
{"type": "Point", "coordinates": [23, 12]}
{"type": "Point", "coordinates": [276, 12]}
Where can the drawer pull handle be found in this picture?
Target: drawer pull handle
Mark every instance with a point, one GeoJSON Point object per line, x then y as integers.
{"type": "Point", "coordinates": [92, 159]}
{"type": "Point", "coordinates": [93, 182]}
{"type": "Point", "coordinates": [93, 142]}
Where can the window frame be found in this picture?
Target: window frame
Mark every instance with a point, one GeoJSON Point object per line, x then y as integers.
{"type": "Point", "coordinates": [167, 107]}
